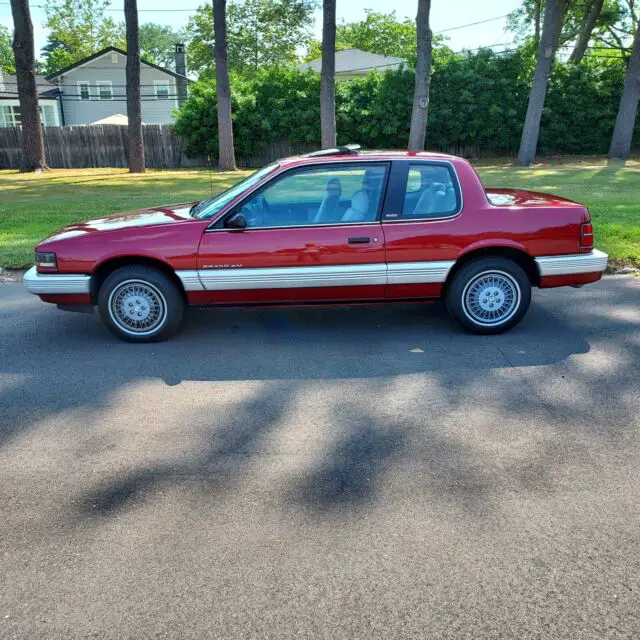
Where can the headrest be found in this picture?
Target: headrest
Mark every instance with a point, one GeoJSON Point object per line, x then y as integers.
{"type": "Point", "coordinates": [360, 202]}
{"type": "Point", "coordinates": [334, 186]}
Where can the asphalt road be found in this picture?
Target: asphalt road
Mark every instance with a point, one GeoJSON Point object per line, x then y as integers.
{"type": "Point", "coordinates": [323, 473]}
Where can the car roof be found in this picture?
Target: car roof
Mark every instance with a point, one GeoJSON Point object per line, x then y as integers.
{"type": "Point", "coordinates": [367, 156]}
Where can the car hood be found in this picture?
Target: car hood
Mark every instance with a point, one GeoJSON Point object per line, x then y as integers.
{"type": "Point", "coordinates": [168, 214]}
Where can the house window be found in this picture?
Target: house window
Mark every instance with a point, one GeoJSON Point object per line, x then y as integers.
{"type": "Point", "coordinates": [162, 89]}
{"type": "Point", "coordinates": [83, 90]}
{"type": "Point", "coordinates": [12, 116]}
{"type": "Point", "coordinates": [47, 115]}
{"type": "Point", "coordinates": [105, 90]}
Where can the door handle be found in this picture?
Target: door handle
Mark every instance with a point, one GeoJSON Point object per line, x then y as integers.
{"type": "Point", "coordinates": [359, 240]}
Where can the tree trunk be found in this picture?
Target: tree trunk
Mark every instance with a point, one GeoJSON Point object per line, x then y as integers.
{"type": "Point", "coordinates": [328, 76]}
{"type": "Point", "coordinates": [226, 153]}
{"type": "Point", "coordinates": [537, 12]}
{"type": "Point", "coordinates": [420, 110]}
{"type": "Point", "coordinates": [23, 50]}
{"type": "Point", "coordinates": [135, 142]}
{"type": "Point", "coordinates": [551, 27]}
{"type": "Point", "coordinates": [585, 31]}
{"type": "Point", "coordinates": [626, 118]}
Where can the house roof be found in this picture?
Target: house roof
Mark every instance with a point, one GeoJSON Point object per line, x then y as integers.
{"type": "Point", "coordinates": [9, 87]}
{"type": "Point", "coordinates": [116, 118]}
{"type": "Point", "coordinates": [121, 52]}
{"type": "Point", "coordinates": [353, 60]}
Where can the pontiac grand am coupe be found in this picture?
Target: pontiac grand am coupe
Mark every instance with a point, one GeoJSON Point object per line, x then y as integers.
{"type": "Point", "coordinates": [334, 226]}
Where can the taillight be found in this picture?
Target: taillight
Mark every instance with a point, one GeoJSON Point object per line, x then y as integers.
{"type": "Point", "coordinates": [586, 235]}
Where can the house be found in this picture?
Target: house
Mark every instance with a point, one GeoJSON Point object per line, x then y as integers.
{"type": "Point", "coordinates": [94, 89]}
{"type": "Point", "coordinates": [10, 115]}
{"type": "Point", "coordinates": [352, 63]}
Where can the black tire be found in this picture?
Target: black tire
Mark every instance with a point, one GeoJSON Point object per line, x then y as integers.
{"type": "Point", "coordinates": [157, 296]}
{"type": "Point", "coordinates": [511, 284]}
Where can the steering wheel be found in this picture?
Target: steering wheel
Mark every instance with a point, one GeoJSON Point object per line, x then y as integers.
{"type": "Point", "coordinates": [257, 212]}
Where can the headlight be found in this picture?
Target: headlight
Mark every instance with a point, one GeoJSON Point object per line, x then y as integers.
{"type": "Point", "coordinates": [46, 260]}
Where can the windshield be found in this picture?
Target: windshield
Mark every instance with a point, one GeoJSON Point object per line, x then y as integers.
{"type": "Point", "coordinates": [208, 208]}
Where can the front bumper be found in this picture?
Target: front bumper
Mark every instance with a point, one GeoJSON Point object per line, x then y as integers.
{"type": "Point", "coordinates": [593, 262]}
{"type": "Point", "coordinates": [54, 283]}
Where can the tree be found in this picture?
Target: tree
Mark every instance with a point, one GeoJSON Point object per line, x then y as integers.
{"type": "Point", "coordinates": [328, 76]}
{"type": "Point", "coordinates": [584, 20]}
{"type": "Point", "coordinates": [626, 118]}
{"type": "Point", "coordinates": [157, 43]}
{"type": "Point", "coordinates": [420, 111]}
{"type": "Point", "coordinates": [380, 33]}
{"type": "Point", "coordinates": [7, 61]}
{"type": "Point", "coordinates": [586, 29]}
{"type": "Point", "coordinates": [135, 142]}
{"type": "Point", "coordinates": [260, 33]}
{"type": "Point", "coordinates": [23, 50]}
{"type": "Point", "coordinates": [226, 152]}
{"type": "Point", "coordinates": [551, 27]}
{"type": "Point", "coordinates": [77, 29]}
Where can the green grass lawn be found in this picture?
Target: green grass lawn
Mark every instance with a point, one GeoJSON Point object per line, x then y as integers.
{"type": "Point", "coordinates": [31, 206]}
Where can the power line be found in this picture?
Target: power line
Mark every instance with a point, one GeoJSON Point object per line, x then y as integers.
{"type": "Point", "coordinates": [472, 24]}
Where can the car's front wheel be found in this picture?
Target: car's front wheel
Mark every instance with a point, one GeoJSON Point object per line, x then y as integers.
{"type": "Point", "coordinates": [489, 295]}
{"type": "Point", "coordinates": [140, 304]}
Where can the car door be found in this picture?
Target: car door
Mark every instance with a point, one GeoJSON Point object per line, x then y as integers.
{"type": "Point", "coordinates": [420, 225]}
{"type": "Point", "coordinates": [312, 234]}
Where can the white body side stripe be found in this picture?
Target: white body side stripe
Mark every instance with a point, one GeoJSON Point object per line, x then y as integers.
{"type": "Point", "coordinates": [291, 277]}
{"type": "Point", "coordinates": [329, 276]}
{"type": "Point", "coordinates": [569, 265]}
{"type": "Point", "coordinates": [320, 276]}
{"type": "Point", "coordinates": [418, 272]}
{"type": "Point", "coordinates": [43, 283]}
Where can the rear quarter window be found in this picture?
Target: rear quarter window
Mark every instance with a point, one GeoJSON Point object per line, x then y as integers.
{"type": "Point", "coordinates": [432, 191]}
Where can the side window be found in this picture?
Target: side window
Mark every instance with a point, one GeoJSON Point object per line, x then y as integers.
{"type": "Point", "coordinates": [325, 195]}
{"type": "Point", "coordinates": [431, 192]}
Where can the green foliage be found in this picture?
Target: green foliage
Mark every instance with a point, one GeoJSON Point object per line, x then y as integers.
{"type": "Point", "coordinates": [260, 33]}
{"type": "Point", "coordinates": [157, 43]}
{"type": "Point", "coordinates": [275, 102]}
{"type": "Point", "coordinates": [477, 100]}
{"type": "Point", "coordinates": [78, 28]}
{"type": "Point", "coordinates": [613, 19]}
{"type": "Point", "coordinates": [380, 33]}
{"type": "Point", "coordinates": [7, 61]}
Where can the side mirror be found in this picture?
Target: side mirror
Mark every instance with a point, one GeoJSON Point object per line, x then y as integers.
{"type": "Point", "coordinates": [238, 221]}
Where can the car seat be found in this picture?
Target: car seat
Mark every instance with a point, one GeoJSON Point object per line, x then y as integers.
{"type": "Point", "coordinates": [359, 209]}
{"type": "Point", "coordinates": [329, 207]}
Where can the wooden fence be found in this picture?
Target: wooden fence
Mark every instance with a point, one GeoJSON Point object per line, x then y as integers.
{"type": "Point", "coordinates": [98, 146]}
{"type": "Point", "coordinates": [77, 147]}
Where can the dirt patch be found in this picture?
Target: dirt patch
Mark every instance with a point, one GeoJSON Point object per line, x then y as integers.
{"type": "Point", "coordinates": [11, 275]}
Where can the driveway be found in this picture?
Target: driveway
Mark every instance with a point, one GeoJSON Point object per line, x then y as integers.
{"type": "Point", "coordinates": [369, 472]}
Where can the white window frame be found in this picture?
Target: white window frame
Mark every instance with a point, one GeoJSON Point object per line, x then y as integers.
{"type": "Point", "coordinates": [104, 83]}
{"type": "Point", "coordinates": [84, 83]}
{"type": "Point", "coordinates": [9, 119]}
{"type": "Point", "coordinates": [162, 83]}
{"type": "Point", "coordinates": [53, 106]}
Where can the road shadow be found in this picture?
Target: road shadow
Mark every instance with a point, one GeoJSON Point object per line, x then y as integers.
{"type": "Point", "coordinates": [53, 364]}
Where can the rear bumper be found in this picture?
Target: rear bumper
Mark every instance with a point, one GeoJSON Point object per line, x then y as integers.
{"type": "Point", "coordinates": [594, 262]}
{"type": "Point", "coordinates": [56, 283]}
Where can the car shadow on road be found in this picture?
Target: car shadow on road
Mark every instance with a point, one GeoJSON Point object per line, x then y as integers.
{"type": "Point", "coordinates": [55, 364]}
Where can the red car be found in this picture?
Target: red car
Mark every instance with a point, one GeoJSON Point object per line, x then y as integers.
{"type": "Point", "coordinates": [334, 226]}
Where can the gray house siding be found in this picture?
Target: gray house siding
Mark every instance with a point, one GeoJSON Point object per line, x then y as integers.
{"type": "Point", "coordinates": [110, 68]}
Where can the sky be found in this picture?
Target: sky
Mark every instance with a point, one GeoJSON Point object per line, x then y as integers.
{"type": "Point", "coordinates": [446, 15]}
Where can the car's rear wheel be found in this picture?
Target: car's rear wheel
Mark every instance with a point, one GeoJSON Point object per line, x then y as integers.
{"type": "Point", "coordinates": [140, 304]}
{"type": "Point", "coordinates": [489, 295]}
